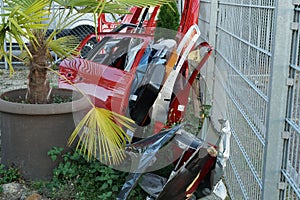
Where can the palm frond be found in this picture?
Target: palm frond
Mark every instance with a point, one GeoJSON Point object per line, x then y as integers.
{"type": "Point", "coordinates": [27, 9]}
{"type": "Point", "coordinates": [116, 6]}
{"type": "Point", "coordinates": [101, 136]}
{"type": "Point", "coordinates": [121, 6]}
{"type": "Point", "coordinates": [18, 20]}
{"type": "Point", "coordinates": [140, 3]}
{"type": "Point", "coordinates": [64, 46]}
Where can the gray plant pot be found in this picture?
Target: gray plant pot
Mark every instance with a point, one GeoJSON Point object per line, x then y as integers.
{"type": "Point", "coordinates": [29, 131]}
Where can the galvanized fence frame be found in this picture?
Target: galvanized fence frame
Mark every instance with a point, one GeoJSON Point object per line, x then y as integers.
{"type": "Point", "coordinates": [252, 80]}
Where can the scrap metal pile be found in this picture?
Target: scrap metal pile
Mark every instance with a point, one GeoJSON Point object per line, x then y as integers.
{"type": "Point", "coordinates": [129, 72]}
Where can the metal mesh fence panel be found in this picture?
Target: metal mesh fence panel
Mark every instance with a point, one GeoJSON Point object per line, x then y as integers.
{"type": "Point", "coordinates": [241, 90]}
{"type": "Point", "coordinates": [204, 19]}
{"type": "Point", "coordinates": [291, 166]}
{"type": "Point", "coordinates": [249, 84]}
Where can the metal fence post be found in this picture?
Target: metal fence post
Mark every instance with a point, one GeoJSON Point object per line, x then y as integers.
{"type": "Point", "coordinates": [2, 11]}
{"type": "Point", "coordinates": [211, 7]}
{"type": "Point", "coordinates": [212, 42]}
{"type": "Point", "coordinates": [213, 22]}
{"type": "Point", "coordinates": [277, 98]}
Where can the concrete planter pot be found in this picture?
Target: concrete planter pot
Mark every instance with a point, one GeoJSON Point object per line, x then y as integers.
{"type": "Point", "coordinates": [29, 131]}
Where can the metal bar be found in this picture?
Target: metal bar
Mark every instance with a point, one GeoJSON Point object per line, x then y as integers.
{"type": "Point", "coordinates": [205, 1]}
{"type": "Point", "coordinates": [293, 125]}
{"type": "Point", "coordinates": [245, 41]}
{"type": "Point", "coordinates": [249, 162]}
{"type": "Point", "coordinates": [238, 178]}
{"type": "Point", "coordinates": [246, 5]}
{"type": "Point", "coordinates": [291, 183]}
{"type": "Point", "coordinates": [258, 135]}
{"type": "Point", "coordinates": [296, 2]}
{"type": "Point", "coordinates": [295, 67]}
{"type": "Point", "coordinates": [211, 9]}
{"type": "Point", "coordinates": [5, 46]}
{"type": "Point", "coordinates": [296, 158]}
{"type": "Point", "coordinates": [229, 187]}
{"type": "Point", "coordinates": [282, 38]}
{"type": "Point", "coordinates": [296, 99]}
{"type": "Point", "coordinates": [203, 20]}
{"type": "Point", "coordinates": [289, 144]}
{"type": "Point", "coordinates": [292, 94]}
{"type": "Point", "coordinates": [213, 22]}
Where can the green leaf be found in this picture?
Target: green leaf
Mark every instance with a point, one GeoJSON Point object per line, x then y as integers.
{"type": "Point", "coordinates": [104, 186]}
{"type": "Point", "coordinates": [115, 188]}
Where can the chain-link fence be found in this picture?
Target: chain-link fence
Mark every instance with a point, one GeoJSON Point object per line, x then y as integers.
{"type": "Point", "coordinates": [250, 84]}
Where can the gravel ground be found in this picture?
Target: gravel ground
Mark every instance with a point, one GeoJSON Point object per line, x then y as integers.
{"type": "Point", "coordinates": [19, 79]}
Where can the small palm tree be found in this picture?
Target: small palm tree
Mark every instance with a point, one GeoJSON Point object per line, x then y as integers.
{"type": "Point", "coordinates": [26, 22]}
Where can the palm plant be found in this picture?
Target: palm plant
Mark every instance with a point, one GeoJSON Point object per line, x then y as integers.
{"type": "Point", "coordinates": [26, 22]}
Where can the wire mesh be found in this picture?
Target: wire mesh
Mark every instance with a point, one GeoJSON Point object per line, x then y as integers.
{"type": "Point", "coordinates": [204, 19]}
{"type": "Point", "coordinates": [247, 148]}
{"type": "Point", "coordinates": [291, 169]}
{"type": "Point", "coordinates": [243, 64]}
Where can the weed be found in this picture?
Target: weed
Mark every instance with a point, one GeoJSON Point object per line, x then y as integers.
{"type": "Point", "coordinates": [204, 113]}
{"type": "Point", "coordinates": [76, 178]}
{"type": "Point", "coordinates": [8, 175]}
{"type": "Point", "coordinates": [60, 99]}
{"type": "Point", "coordinates": [54, 152]}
